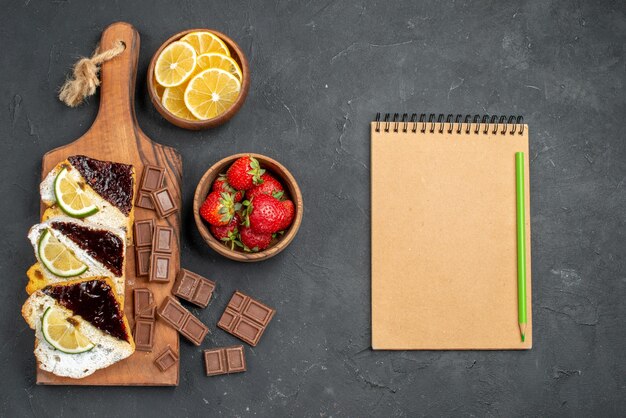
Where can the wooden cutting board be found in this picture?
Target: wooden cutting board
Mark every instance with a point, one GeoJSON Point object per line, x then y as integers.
{"type": "Point", "coordinates": [116, 136]}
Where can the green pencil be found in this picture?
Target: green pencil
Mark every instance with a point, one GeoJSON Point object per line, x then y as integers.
{"type": "Point", "coordinates": [521, 243]}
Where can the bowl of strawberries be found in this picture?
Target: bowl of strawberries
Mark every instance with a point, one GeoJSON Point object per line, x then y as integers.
{"type": "Point", "coordinates": [248, 207]}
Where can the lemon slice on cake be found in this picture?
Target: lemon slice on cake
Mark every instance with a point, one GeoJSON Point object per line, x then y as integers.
{"type": "Point", "coordinates": [60, 331]}
{"type": "Point", "coordinates": [175, 64]}
{"type": "Point", "coordinates": [71, 197]}
{"type": "Point", "coordinates": [205, 42]}
{"type": "Point", "coordinates": [57, 258]}
{"type": "Point", "coordinates": [211, 93]}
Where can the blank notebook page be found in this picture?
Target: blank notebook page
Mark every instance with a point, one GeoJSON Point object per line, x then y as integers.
{"type": "Point", "coordinates": [444, 251]}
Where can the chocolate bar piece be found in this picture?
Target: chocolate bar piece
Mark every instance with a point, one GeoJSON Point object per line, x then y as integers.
{"type": "Point", "coordinates": [183, 321]}
{"type": "Point", "coordinates": [194, 330]}
{"type": "Point", "coordinates": [163, 202]}
{"type": "Point", "coordinates": [152, 178]}
{"type": "Point", "coordinates": [246, 318]}
{"type": "Point", "coordinates": [163, 240]}
{"type": "Point", "coordinates": [173, 313]}
{"type": "Point", "coordinates": [144, 334]}
{"type": "Point", "coordinates": [193, 288]}
{"type": "Point", "coordinates": [144, 200]}
{"type": "Point", "coordinates": [142, 261]}
{"type": "Point", "coordinates": [143, 232]}
{"type": "Point", "coordinates": [160, 267]}
{"type": "Point", "coordinates": [225, 360]}
{"type": "Point", "coordinates": [166, 359]}
{"type": "Point", "coordinates": [144, 303]}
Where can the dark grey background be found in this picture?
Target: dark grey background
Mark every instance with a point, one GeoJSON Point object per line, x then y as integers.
{"type": "Point", "coordinates": [320, 72]}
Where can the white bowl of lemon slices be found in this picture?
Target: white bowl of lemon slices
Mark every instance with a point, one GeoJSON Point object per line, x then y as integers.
{"type": "Point", "coordinates": [198, 79]}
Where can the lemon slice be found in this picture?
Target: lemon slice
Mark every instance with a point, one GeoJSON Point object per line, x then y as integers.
{"type": "Point", "coordinates": [211, 93]}
{"type": "Point", "coordinates": [60, 331]}
{"type": "Point", "coordinates": [221, 61]}
{"type": "Point", "coordinates": [205, 42]}
{"type": "Point", "coordinates": [72, 199]}
{"type": "Point", "coordinates": [57, 258]}
{"type": "Point", "coordinates": [174, 101]}
{"type": "Point", "coordinates": [175, 64]}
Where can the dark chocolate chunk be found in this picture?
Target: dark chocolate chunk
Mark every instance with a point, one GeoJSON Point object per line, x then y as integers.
{"type": "Point", "coordinates": [218, 361]}
{"type": "Point", "coordinates": [166, 359]}
{"type": "Point", "coordinates": [163, 239]}
{"type": "Point", "coordinates": [160, 267]}
{"type": "Point", "coordinates": [143, 303]}
{"type": "Point", "coordinates": [144, 200]}
{"type": "Point", "coordinates": [194, 330]}
{"type": "Point", "coordinates": [102, 245]}
{"type": "Point", "coordinates": [95, 302]}
{"type": "Point", "coordinates": [144, 334]}
{"type": "Point", "coordinates": [142, 261]}
{"type": "Point", "coordinates": [143, 232]}
{"type": "Point", "coordinates": [193, 288]}
{"type": "Point", "coordinates": [246, 318]}
{"type": "Point", "coordinates": [112, 181]}
{"type": "Point", "coordinates": [152, 178]}
{"type": "Point", "coordinates": [163, 202]}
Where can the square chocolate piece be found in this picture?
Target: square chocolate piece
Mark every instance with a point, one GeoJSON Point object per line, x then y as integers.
{"type": "Point", "coordinates": [143, 232]}
{"type": "Point", "coordinates": [160, 267]}
{"type": "Point", "coordinates": [214, 362]}
{"type": "Point", "coordinates": [163, 202]}
{"type": "Point", "coordinates": [173, 313]}
{"type": "Point", "coordinates": [223, 360]}
{"type": "Point", "coordinates": [166, 359]}
{"type": "Point", "coordinates": [185, 284]}
{"type": "Point", "coordinates": [163, 239]}
{"type": "Point", "coordinates": [142, 261]}
{"type": "Point", "coordinates": [246, 318]}
{"type": "Point", "coordinates": [194, 330]}
{"type": "Point", "coordinates": [203, 293]}
{"type": "Point", "coordinates": [144, 200]}
{"type": "Point", "coordinates": [143, 303]}
{"type": "Point", "coordinates": [152, 178]}
{"type": "Point", "coordinates": [144, 334]}
{"type": "Point", "coordinates": [235, 359]}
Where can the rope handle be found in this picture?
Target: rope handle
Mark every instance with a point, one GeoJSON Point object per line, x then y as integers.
{"type": "Point", "coordinates": [84, 80]}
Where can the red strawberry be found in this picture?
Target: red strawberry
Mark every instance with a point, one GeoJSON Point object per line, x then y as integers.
{"type": "Point", "coordinates": [221, 185]}
{"type": "Point", "coordinates": [264, 214]}
{"type": "Point", "coordinates": [219, 208]}
{"type": "Point", "coordinates": [254, 241]}
{"type": "Point", "coordinates": [244, 173]}
{"type": "Point", "coordinates": [228, 233]}
{"type": "Point", "coordinates": [269, 186]}
{"type": "Point", "coordinates": [289, 211]}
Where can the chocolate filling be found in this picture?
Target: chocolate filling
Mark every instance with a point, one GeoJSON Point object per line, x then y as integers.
{"type": "Point", "coordinates": [102, 245]}
{"type": "Point", "coordinates": [112, 181]}
{"type": "Point", "coordinates": [95, 302]}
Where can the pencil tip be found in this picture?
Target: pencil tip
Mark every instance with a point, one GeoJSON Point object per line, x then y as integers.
{"type": "Point", "coordinates": [523, 337]}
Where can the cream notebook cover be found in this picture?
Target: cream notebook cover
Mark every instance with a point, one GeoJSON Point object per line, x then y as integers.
{"type": "Point", "coordinates": [444, 250]}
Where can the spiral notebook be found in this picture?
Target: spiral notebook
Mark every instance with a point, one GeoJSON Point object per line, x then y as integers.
{"type": "Point", "coordinates": [444, 252]}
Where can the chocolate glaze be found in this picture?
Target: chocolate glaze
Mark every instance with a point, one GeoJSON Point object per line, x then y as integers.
{"type": "Point", "coordinates": [95, 302]}
{"type": "Point", "coordinates": [102, 245]}
{"type": "Point", "coordinates": [112, 181]}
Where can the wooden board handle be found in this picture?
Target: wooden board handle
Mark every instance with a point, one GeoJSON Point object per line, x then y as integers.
{"type": "Point", "coordinates": [117, 89]}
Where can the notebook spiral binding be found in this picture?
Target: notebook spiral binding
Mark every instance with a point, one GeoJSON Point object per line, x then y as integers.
{"type": "Point", "coordinates": [516, 123]}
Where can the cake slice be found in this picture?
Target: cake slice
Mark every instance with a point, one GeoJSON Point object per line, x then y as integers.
{"type": "Point", "coordinates": [85, 249]}
{"type": "Point", "coordinates": [80, 327]}
{"type": "Point", "coordinates": [108, 188]}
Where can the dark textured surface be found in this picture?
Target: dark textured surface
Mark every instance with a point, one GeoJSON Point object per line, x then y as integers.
{"type": "Point", "coordinates": [320, 71]}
